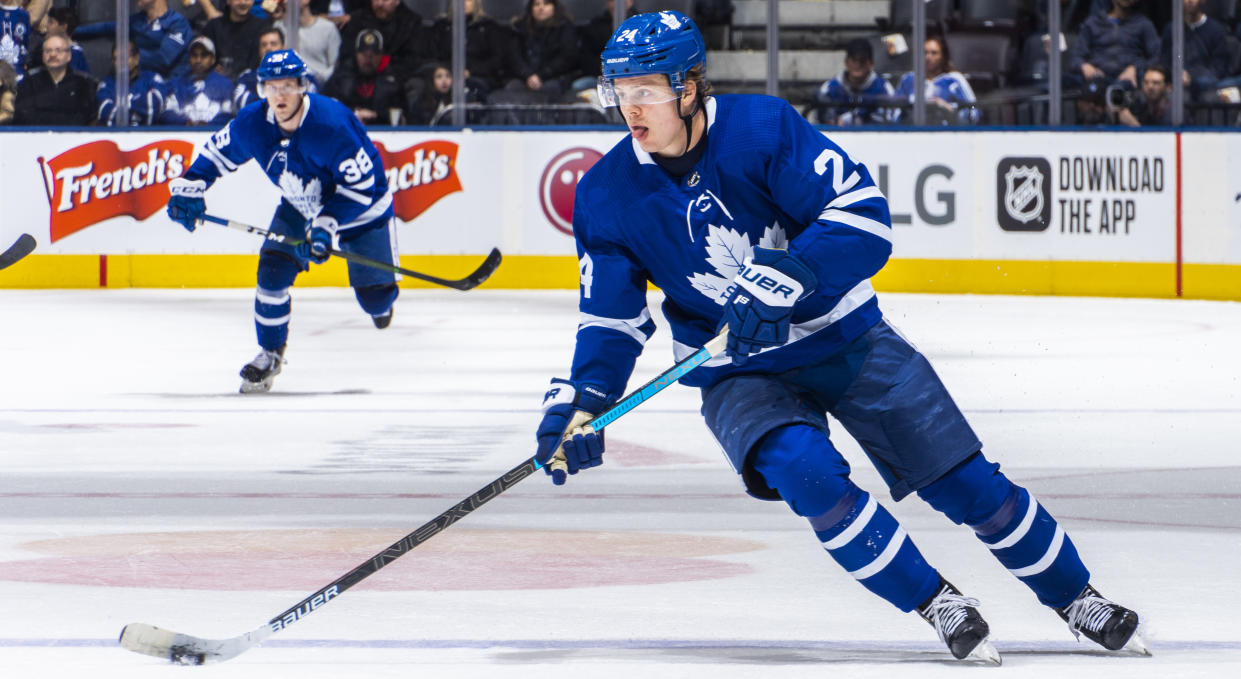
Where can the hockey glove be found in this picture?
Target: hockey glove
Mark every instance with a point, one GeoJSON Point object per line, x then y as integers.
{"type": "Point", "coordinates": [562, 439]}
{"type": "Point", "coordinates": [760, 307]}
{"type": "Point", "coordinates": [186, 205]}
{"type": "Point", "coordinates": [321, 239]}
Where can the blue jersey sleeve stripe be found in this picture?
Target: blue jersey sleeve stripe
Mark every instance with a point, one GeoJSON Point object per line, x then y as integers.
{"type": "Point", "coordinates": [858, 222]}
{"type": "Point", "coordinates": [846, 199]}
{"type": "Point", "coordinates": [353, 195]}
{"type": "Point", "coordinates": [629, 326]}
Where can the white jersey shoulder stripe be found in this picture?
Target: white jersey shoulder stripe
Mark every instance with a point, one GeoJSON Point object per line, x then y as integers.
{"type": "Point", "coordinates": [629, 326]}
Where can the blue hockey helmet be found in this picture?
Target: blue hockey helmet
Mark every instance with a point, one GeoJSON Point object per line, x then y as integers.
{"type": "Point", "coordinates": [667, 43]}
{"type": "Point", "coordinates": [281, 64]}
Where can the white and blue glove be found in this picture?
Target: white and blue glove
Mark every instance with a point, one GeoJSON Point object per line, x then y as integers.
{"type": "Point", "coordinates": [186, 205]}
{"type": "Point", "coordinates": [321, 239]}
{"type": "Point", "coordinates": [760, 307]}
{"type": "Point", "coordinates": [564, 444]}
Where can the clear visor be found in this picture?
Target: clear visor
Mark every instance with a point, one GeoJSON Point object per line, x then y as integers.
{"type": "Point", "coordinates": [281, 87]}
{"type": "Point", "coordinates": [622, 93]}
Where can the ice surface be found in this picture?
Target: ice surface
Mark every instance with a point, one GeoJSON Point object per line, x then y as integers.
{"type": "Point", "coordinates": [136, 485]}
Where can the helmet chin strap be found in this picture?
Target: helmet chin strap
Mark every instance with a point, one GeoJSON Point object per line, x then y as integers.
{"type": "Point", "coordinates": [688, 120]}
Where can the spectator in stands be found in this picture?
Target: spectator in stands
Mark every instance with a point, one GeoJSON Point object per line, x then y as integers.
{"type": "Point", "coordinates": [197, 12]}
{"type": "Point", "coordinates": [8, 92]}
{"type": "Point", "coordinates": [949, 98]}
{"type": "Point", "coordinates": [318, 42]}
{"type": "Point", "coordinates": [434, 97]}
{"type": "Point", "coordinates": [246, 91]}
{"type": "Point", "coordinates": [1206, 58]}
{"type": "Point", "coordinates": [1153, 104]}
{"type": "Point", "coordinates": [147, 93]}
{"type": "Point", "coordinates": [60, 20]}
{"type": "Point", "coordinates": [1091, 106]}
{"type": "Point", "coordinates": [545, 54]}
{"type": "Point", "coordinates": [16, 23]}
{"type": "Point", "coordinates": [592, 36]}
{"type": "Point", "coordinates": [368, 88]}
{"type": "Point", "coordinates": [1113, 47]}
{"type": "Point", "coordinates": [337, 11]}
{"type": "Point", "coordinates": [202, 96]}
{"type": "Point", "coordinates": [236, 36]}
{"type": "Point", "coordinates": [487, 46]}
{"type": "Point", "coordinates": [55, 94]}
{"type": "Point", "coordinates": [855, 97]}
{"type": "Point", "coordinates": [162, 37]}
{"type": "Point", "coordinates": [405, 41]}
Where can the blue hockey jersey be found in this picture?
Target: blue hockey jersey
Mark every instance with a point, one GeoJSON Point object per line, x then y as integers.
{"type": "Point", "coordinates": [841, 104]}
{"type": "Point", "coordinates": [14, 36]}
{"type": "Point", "coordinates": [953, 88]}
{"type": "Point", "coordinates": [163, 42]}
{"type": "Point", "coordinates": [327, 166]}
{"type": "Point", "coordinates": [147, 95]}
{"type": "Point", "coordinates": [199, 101]}
{"type": "Point", "coordinates": [767, 178]}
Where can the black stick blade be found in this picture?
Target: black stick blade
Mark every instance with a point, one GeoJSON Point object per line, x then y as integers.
{"type": "Point", "coordinates": [23, 246]}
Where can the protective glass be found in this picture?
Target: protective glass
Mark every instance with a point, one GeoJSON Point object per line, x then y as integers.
{"type": "Point", "coordinates": [621, 93]}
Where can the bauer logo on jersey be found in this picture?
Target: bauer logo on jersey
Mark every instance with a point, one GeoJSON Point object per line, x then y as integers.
{"type": "Point", "coordinates": [98, 181]}
{"type": "Point", "coordinates": [558, 185]}
{"type": "Point", "coordinates": [420, 175]}
{"type": "Point", "coordinates": [1023, 194]}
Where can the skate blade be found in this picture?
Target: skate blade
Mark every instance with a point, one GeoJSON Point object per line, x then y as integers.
{"type": "Point", "coordinates": [1136, 645]}
{"type": "Point", "coordinates": [256, 387]}
{"type": "Point", "coordinates": [985, 653]}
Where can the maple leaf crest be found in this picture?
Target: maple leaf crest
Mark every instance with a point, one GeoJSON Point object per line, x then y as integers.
{"type": "Point", "coordinates": [727, 250]}
{"type": "Point", "coordinates": [306, 197]}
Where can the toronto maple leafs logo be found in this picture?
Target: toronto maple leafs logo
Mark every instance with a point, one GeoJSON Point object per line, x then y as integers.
{"type": "Point", "coordinates": [669, 20]}
{"type": "Point", "coordinates": [306, 197]}
{"type": "Point", "coordinates": [727, 250]}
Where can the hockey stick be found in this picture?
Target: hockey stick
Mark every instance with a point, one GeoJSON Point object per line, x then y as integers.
{"type": "Point", "coordinates": [482, 273]}
{"type": "Point", "coordinates": [21, 247]}
{"type": "Point", "coordinates": [190, 650]}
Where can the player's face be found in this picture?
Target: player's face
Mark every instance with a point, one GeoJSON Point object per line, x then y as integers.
{"type": "Point", "coordinates": [284, 97]}
{"type": "Point", "coordinates": [656, 126]}
{"type": "Point", "coordinates": [56, 53]}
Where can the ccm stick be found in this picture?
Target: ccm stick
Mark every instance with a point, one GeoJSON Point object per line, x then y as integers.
{"type": "Point", "coordinates": [21, 247]}
{"type": "Point", "coordinates": [482, 273]}
{"type": "Point", "coordinates": [190, 650]}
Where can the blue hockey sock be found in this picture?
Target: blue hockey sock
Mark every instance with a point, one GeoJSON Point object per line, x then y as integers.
{"type": "Point", "coordinates": [800, 463]}
{"type": "Point", "coordinates": [867, 541]}
{"type": "Point", "coordinates": [272, 309]}
{"type": "Point", "coordinates": [1021, 534]}
{"type": "Point", "coordinates": [1034, 547]}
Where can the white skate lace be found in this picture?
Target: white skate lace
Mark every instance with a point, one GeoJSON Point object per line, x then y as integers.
{"type": "Point", "coordinates": [947, 612]}
{"type": "Point", "coordinates": [1089, 613]}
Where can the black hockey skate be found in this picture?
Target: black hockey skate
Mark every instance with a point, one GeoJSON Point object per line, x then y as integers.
{"type": "Point", "coordinates": [1104, 622]}
{"type": "Point", "coordinates": [257, 375]}
{"type": "Point", "coordinates": [959, 624]}
{"type": "Point", "coordinates": [383, 320]}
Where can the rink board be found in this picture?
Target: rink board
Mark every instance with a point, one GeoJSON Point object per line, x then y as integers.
{"type": "Point", "coordinates": [1073, 213]}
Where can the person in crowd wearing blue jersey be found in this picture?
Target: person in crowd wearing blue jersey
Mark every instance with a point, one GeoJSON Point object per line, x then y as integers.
{"type": "Point", "coordinates": [148, 93]}
{"type": "Point", "coordinates": [334, 196]}
{"type": "Point", "coordinates": [202, 96]}
{"type": "Point", "coordinates": [748, 218]}
{"type": "Point", "coordinates": [856, 96]}
{"type": "Point", "coordinates": [949, 98]}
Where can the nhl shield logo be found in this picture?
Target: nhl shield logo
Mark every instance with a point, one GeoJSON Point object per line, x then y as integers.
{"type": "Point", "coordinates": [1023, 193]}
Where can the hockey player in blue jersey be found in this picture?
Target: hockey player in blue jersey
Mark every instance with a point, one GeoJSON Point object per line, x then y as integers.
{"type": "Point", "coordinates": [335, 196]}
{"type": "Point", "coordinates": [745, 216]}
